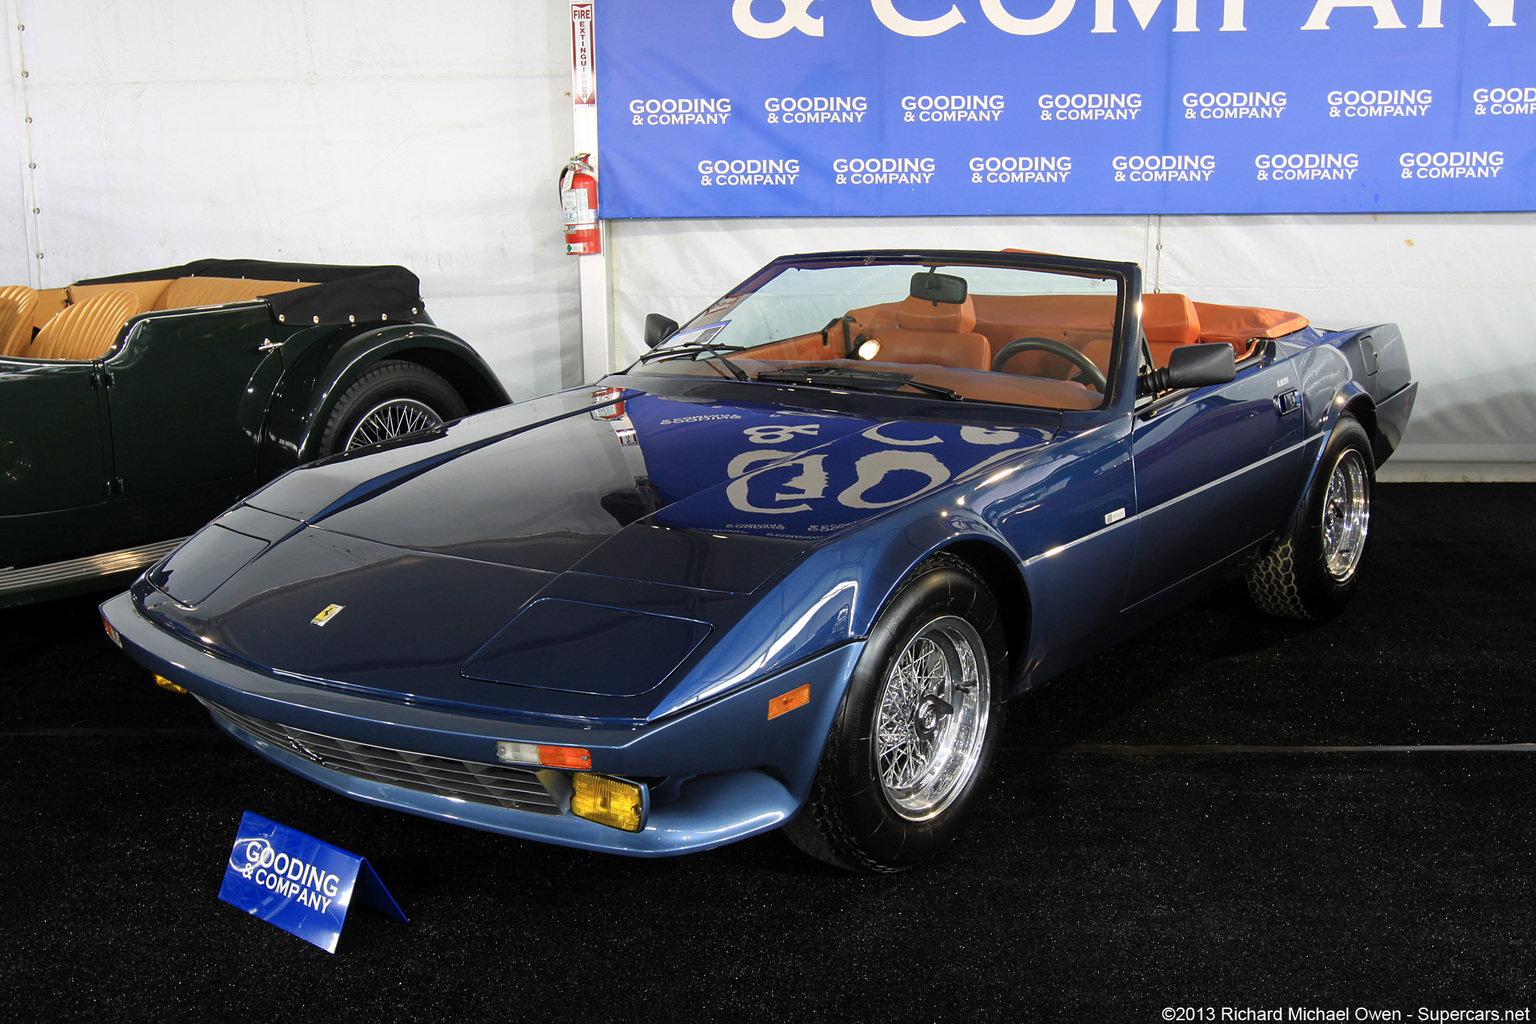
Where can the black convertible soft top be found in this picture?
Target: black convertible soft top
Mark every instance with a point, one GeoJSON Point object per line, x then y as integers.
{"type": "Point", "coordinates": [338, 294]}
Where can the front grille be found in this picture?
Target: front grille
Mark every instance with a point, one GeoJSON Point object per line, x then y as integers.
{"type": "Point", "coordinates": [519, 789]}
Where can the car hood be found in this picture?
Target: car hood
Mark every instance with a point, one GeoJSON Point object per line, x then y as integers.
{"type": "Point", "coordinates": [469, 564]}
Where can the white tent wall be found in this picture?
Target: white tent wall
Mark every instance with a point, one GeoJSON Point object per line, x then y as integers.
{"type": "Point", "coordinates": [16, 259]}
{"type": "Point", "coordinates": [1461, 286]}
{"type": "Point", "coordinates": [308, 130]}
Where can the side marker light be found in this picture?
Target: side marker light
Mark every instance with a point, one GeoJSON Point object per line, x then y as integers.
{"type": "Point", "coordinates": [111, 632]}
{"type": "Point", "coordinates": [787, 702]}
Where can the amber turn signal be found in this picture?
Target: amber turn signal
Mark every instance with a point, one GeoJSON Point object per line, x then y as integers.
{"type": "Point", "coordinates": [612, 802]}
{"type": "Point", "coordinates": [166, 684]}
{"type": "Point", "coordinates": [795, 698]}
{"type": "Point", "coordinates": [576, 758]}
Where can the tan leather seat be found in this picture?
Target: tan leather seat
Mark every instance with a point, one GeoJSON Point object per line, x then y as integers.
{"type": "Point", "coordinates": [86, 331]}
{"type": "Point", "coordinates": [147, 291]}
{"type": "Point", "coordinates": [17, 304]}
{"type": "Point", "coordinates": [939, 334]}
{"type": "Point", "coordinates": [1168, 320]}
{"type": "Point", "coordinates": [186, 292]}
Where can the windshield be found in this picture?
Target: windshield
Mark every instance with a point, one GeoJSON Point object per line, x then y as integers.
{"type": "Point", "coordinates": [915, 326]}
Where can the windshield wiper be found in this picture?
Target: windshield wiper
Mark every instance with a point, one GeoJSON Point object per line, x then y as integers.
{"type": "Point", "coordinates": [855, 380]}
{"type": "Point", "coordinates": [718, 351]}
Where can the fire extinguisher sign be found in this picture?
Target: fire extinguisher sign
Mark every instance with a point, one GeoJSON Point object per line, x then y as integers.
{"type": "Point", "coordinates": [583, 70]}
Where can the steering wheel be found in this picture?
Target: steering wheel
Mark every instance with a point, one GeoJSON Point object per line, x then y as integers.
{"type": "Point", "coordinates": [1055, 348]}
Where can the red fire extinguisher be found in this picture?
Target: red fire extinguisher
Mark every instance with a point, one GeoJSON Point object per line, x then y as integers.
{"type": "Point", "coordinates": [578, 206]}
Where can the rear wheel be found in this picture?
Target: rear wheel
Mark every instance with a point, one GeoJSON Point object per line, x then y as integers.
{"type": "Point", "coordinates": [916, 731]}
{"type": "Point", "coordinates": [391, 399]}
{"type": "Point", "coordinates": [1312, 570]}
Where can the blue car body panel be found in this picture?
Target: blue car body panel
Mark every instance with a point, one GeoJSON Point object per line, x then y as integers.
{"type": "Point", "coordinates": [639, 569]}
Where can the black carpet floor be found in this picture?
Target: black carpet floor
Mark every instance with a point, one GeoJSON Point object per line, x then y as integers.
{"type": "Point", "coordinates": [1228, 812]}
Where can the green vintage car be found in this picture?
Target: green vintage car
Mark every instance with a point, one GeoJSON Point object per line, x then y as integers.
{"type": "Point", "coordinates": [135, 408]}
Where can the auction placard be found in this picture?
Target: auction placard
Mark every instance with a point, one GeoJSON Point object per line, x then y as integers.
{"type": "Point", "coordinates": [301, 884]}
{"type": "Point", "coordinates": [814, 108]}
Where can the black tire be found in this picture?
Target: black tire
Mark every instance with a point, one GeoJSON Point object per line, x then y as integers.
{"type": "Point", "coordinates": [418, 399]}
{"type": "Point", "coordinates": [1314, 567]}
{"type": "Point", "coordinates": [858, 816]}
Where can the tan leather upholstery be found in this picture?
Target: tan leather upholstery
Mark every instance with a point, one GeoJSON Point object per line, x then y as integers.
{"type": "Point", "coordinates": [17, 304]}
{"type": "Point", "coordinates": [1077, 320]}
{"type": "Point", "coordinates": [147, 291]}
{"type": "Point", "coordinates": [83, 320]}
{"type": "Point", "coordinates": [997, 387]}
{"type": "Point", "coordinates": [1239, 325]}
{"type": "Point", "coordinates": [805, 349]}
{"type": "Point", "coordinates": [914, 314]}
{"type": "Point", "coordinates": [1098, 353]}
{"type": "Point", "coordinates": [940, 334]}
{"type": "Point", "coordinates": [1168, 320]}
{"type": "Point", "coordinates": [1172, 320]}
{"type": "Point", "coordinates": [185, 292]}
{"type": "Point", "coordinates": [50, 303]}
{"type": "Point", "coordinates": [86, 331]}
{"type": "Point", "coordinates": [1086, 322]}
{"type": "Point", "coordinates": [989, 387]}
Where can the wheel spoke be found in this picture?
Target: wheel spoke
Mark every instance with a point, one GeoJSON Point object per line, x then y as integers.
{"type": "Point", "coordinates": [390, 419]}
{"type": "Point", "coordinates": [1346, 515]}
{"type": "Point", "coordinates": [931, 718]}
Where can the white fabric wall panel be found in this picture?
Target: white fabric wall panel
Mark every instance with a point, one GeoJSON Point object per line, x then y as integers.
{"type": "Point", "coordinates": [16, 259]}
{"type": "Point", "coordinates": [312, 130]}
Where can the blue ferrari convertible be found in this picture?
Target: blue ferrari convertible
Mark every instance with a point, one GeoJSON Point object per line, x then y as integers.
{"type": "Point", "coordinates": [789, 568]}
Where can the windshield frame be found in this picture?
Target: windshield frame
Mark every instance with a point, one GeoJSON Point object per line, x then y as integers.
{"type": "Point", "coordinates": [1126, 278]}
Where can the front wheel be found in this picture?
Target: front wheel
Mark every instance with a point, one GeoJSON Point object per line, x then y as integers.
{"type": "Point", "coordinates": [916, 730]}
{"type": "Point", "coordinates": [1312, 570]}
{"type": "Point", "coordinates": [391, 399]}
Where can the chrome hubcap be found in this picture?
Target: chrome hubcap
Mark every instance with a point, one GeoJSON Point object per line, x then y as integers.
{"type": "Point", "coordinates": [932, 718]}
{"type": "Point", "coordinates": [391, 419]}
{"type": "Point", "coordinates": [1346, 515]}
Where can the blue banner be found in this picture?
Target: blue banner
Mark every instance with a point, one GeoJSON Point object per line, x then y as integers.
{"type": "Point", "coordinates": [298, 883]}
{"type": "Point", "coordinates": [819, 108]}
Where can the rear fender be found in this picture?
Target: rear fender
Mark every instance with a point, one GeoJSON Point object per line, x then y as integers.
{"type": "Point", "coordinates": [322, 373]}
{"type": "Point", "coordinates": [1347, 397]}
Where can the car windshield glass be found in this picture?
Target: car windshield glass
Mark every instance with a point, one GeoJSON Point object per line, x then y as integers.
{"type": "Point", "coordinates": [1024, 336]}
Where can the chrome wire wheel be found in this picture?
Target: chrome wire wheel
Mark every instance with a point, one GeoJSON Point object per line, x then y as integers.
{"type": "Point", "coordinates": [1346, 515]}
{"type": "Point", "coordinates": [390, 419]}
{"type": "Point", "coordinates": [932, 718]}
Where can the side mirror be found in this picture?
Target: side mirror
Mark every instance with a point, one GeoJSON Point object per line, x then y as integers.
{"type": "Point", "coordinates": [1191, 366]}
{"type": "Point", "coordinates": [658, 329]}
